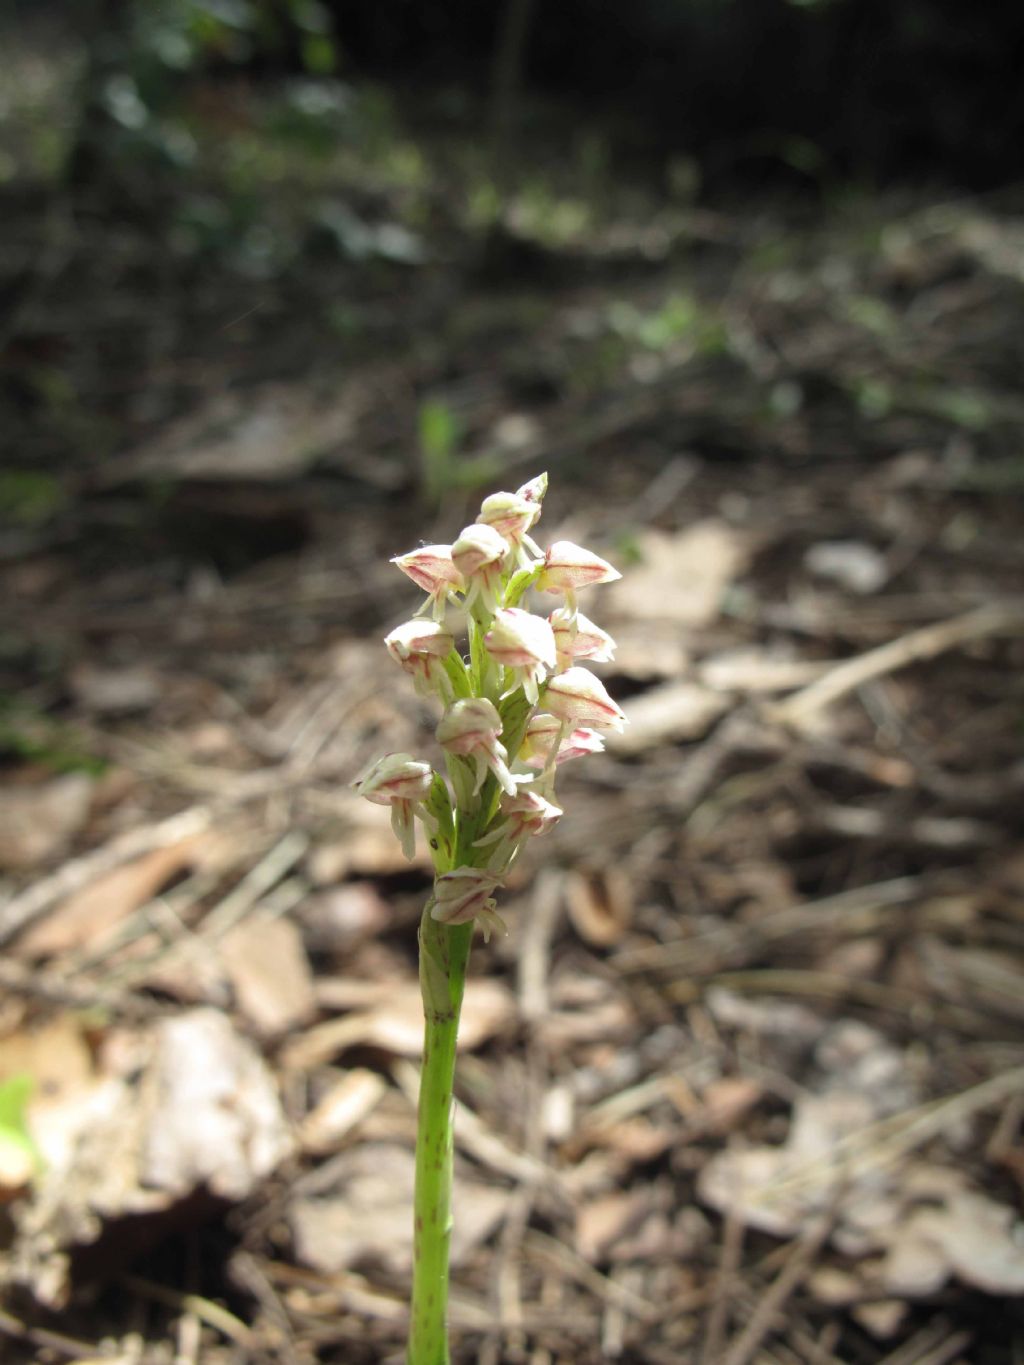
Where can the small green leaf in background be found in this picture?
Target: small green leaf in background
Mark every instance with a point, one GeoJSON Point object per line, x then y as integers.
{"type": "Point", "coordinates": [19, 1155]}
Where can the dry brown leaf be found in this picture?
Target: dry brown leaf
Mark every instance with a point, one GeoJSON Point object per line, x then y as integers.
{"type": "Point", "coordinates": [113, 691]}
{"type": "Point", "coordinates": [753, 670]}
{"type": "Point", "coordinates": [88, 914]}
{"type": "Point", "coordinates": [370, 1222]}
{"type": "Point", "coordinates": [728, 1101]}
{"type": "Point", "coordinates": [213, 1113]}
{"type": "Point", "coordinates": [667, 714]}
{"type": "Point", "coordinates": [37, 821]}
{"type": "Point", "coordinates": [337, 920]}
{"type": "Point", "coordinates": [202, 1120]}
{"type": "Point", "coordinates": [602, 1222]}
{"type": "Point", "coordinates": [368, 847]}
{"type": "Point", "coordinates": [680, 578]}
{"type": "Point", "coordinates": [269, 972]}
{"type": "Point", "coordinates": [600, 905]}
{"type": "Point", "coordinates": [650, 649]}
{"type": "Point", "coordinates": [344, 1106]}
{"type": "Point", "coordinates": [395, 1024]}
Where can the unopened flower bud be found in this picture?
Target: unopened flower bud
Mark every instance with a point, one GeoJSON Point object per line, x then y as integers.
{"type": "Point", "coordinates": [470, 728]}
{"type": "Point", "coordinates": [432, 568]}
{"type": "Point", "coordinates": [524, 643]}
{"type": "Point", "coordinates": [579, 698]}
{"type": "Point", "coordinates": [568, 567]}
{"type": "Point", "coordinates": [479, 555]}
{"type": "Point", "coordinates": [534, 490]}
{"type": "Point", "coordinates": [512, 515]}
{"type": "Point", "coordinates": [401, 782]}
{"type": "Point", "coordinates": [576, 637]}
{"type": "Point", "coordinates": [420, 647]}
{"type": "Point", "coordinates": [464, 894]}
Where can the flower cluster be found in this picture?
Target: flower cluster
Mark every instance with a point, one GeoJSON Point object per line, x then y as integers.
{"type": "Point", "coordinates": [518, 705]}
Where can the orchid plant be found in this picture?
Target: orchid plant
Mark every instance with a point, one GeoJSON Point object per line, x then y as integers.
{"type": "Point", "coordinates": [517, 705]}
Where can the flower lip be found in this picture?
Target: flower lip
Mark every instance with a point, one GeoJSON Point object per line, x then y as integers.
{"type": "Point", "coordinates": [579, 698]}
{"type": "Point", "coordinates": [568, 566]}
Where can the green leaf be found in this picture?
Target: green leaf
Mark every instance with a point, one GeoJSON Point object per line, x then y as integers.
{"type": "Point", "coordinates": [17, 1149]}
{"type": "Point", "coordinates": [520, 581]}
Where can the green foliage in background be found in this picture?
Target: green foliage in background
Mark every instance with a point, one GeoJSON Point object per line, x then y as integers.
{"type": "Point", "coordinates": [17, 1149]}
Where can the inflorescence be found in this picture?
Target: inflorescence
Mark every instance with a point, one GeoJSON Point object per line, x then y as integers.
{"type": "Point", "coordinates": [517, 706]}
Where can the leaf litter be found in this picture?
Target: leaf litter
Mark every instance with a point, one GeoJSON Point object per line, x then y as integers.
{"type": "Point", "coordinates": [744, 1082]}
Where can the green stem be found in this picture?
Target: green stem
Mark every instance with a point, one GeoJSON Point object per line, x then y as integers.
{"type": "Point", "coordinates": [444, 953]}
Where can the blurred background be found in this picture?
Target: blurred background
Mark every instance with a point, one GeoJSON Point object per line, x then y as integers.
{"type": "Point", "coordinates": [287, 286]}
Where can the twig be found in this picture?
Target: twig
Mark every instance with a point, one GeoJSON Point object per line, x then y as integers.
{"type": "Point", "coordinates": [925, 643]}
{"type": "Point", "coordinates": [10, 1326]}
{"type": "Point", "coordinates": [718, 1313]}
{"type": "Point", "coordinates": [213, 1314]}
{"type": "Point", "coordinates": [788, 1279]}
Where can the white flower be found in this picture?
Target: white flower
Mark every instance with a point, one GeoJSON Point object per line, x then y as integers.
{"type": "Point", "coordinates": [431, 568]}
{"type": "Point", "coordinates": [401, 782]}
{"type": "Point", "coordinates": [512, 515]}
{"type": "Point", "coordinates": [568, 567]}
{"type": "Point", "coordinates": [523, 643]}
{"type": "Point", "coordinates": [579, 698]}
{"type": "Point", "coordinates": [420, 648]}
{"type": "Point", "coordinates": [576, 637]}
{"type": "Point", "coordinates": [471, 728]}
{"type": "Point", "coordinates": [479, 555]}
{"type": "Point", "coordinates": [544, 731]}
{"type": "Point", "coordinates": [464, 894]}
{"type": "Point", "coordinates": [525, 813]}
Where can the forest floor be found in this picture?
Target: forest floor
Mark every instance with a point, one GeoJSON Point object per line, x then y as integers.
{"type": "Point", "coordinates": [745, 1080]}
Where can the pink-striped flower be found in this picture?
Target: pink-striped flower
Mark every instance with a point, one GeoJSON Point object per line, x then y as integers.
{"type": "Point", "coordinates": [544, 731]}
{"type": "Point", "coordinates": [524, 643]}
{"type": "Point", "coordinates": [420, 648]}
{"type": "Point", "coordinates": [576, 637]}
{"type": "Point", "coordinates": [471, 728]}
{"type": "Point", "coordinates": [528, 813]}
{"type": "Point", "coordinates": [464, 894]}
{"type": "Point", "coordinates": [479, 555]}
{"type": "Point", "coordinates": [513, 514]}
{"type": "Point", "coordinates": [432, 568]}
{"type": "Point", "coordinates": [568, 567]}
{"type": "Point", "coordinates": [579, 698]}
{"type": "Point", "coordinates": [401, 782]}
